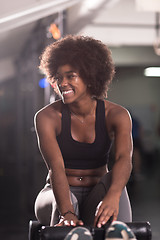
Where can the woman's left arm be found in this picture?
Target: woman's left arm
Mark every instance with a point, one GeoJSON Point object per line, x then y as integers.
{"type": "Point", "coordinates": [119, 121]}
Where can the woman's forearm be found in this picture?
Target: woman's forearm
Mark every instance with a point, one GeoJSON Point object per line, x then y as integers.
{"type": "Point", "coordinates": [61, 190]}
{"type": "Point", "coordinates": [120, 174]}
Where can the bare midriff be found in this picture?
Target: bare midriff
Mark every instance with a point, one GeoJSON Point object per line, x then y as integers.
{"type": "Point", "coordinates": [86, 178]}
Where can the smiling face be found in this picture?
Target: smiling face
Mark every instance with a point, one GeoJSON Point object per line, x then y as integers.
{"type": "Point", "coordinates": [70, 85]}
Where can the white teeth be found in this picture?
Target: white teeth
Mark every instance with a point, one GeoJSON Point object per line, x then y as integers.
{"type": "Point", "coordinates": [67, 92]}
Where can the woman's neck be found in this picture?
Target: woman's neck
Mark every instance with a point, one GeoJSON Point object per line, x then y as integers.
{"type": "Point", "coordinates": [83, 108]}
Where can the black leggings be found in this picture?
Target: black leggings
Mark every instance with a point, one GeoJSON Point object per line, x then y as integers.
{"type": "Point", "coordinates": [85, 201]}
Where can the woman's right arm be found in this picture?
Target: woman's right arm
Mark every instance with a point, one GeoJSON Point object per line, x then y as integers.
{"type": "Point", "coordinates": [45, 126]}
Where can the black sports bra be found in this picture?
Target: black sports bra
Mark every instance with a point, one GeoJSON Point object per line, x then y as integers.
{"type": "Point", "coordinates": [79, 155]}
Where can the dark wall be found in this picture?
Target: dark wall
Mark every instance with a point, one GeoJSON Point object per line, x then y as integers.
{"type": "Point", "coordinates": [8, 164]}
{"type": "Point", "coordinates": [22, 169]}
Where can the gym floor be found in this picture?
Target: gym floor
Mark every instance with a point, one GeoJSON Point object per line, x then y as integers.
{"type": "Point", "coordinates": [145, 200]}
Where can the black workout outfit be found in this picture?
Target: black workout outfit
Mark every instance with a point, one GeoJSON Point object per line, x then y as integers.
{"type": "Point", "coordinates": [78, 155]}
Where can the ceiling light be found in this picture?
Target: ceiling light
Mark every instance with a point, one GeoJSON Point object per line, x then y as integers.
{"type": "Point", "coordinates": [152, 72]}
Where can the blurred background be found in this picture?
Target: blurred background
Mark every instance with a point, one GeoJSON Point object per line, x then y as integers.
{"type": "Point", "coordinates": [131, 29]}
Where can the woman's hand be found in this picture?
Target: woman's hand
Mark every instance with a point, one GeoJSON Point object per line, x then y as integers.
{"type": "Point", "coordinates": [106, 209]}
{"type": "Point", "coordinates": [69, 220]}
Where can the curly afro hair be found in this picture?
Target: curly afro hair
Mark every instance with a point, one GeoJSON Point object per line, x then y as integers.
{"type": "Point", "coordinates": [89, 57]}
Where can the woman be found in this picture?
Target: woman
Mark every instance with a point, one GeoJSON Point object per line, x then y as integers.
{"type": "Point", "coordinates": [75, 135]}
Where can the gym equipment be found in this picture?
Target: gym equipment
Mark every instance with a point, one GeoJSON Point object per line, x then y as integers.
{"type": "Point", "coordinates": [37, 231]}
{"type": "Point", "coordinates": [79, 233]}
{"type": "Point", "coordinates": [119, 230]}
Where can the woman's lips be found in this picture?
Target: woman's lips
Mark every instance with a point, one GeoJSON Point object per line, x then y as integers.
{"type": "Point", "coordinates": [67, 92]}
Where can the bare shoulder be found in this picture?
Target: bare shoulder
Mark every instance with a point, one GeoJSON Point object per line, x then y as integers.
{"type": "Point", "coordinates": [50, 110]}
{"type": "Point", "coordinates": [113, 109]}
{"type": "Point", "coordinates": [116, 114]}
{"type": "Point", "coordinates": [50, 114]}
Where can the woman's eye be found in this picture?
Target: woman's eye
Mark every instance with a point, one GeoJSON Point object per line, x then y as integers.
{"type": "Point", "coordinates": [57, 79]}
{"type": "Point", "coordinates": [70, 77]}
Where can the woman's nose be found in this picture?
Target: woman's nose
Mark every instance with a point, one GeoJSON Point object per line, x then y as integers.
{"type": "Point", "coordinates": [64, 82]}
